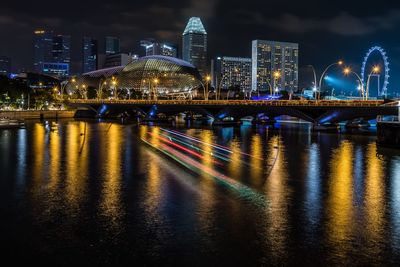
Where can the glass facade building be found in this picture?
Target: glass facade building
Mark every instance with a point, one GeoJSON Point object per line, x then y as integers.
{"type": "Point", "coordinates": [194, 45]}
{"type": "Point", "coordinates": [269, 57]}
{"type": "Point", "coordinates": [152, 47]}
{"type": "Point", "coordinates": [89, 54]}
{"type": "Point", "coordinates": [112, 45]}
{"type": "Point", "coordinates": [51, 53]}
{"type": "Point", "coordinates": [167, 75]}
{"type": "Point", "coordinates": [234, 72]}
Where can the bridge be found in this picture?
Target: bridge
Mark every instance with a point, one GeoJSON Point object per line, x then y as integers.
{"type": "Point", "coordinates": [317, 112]}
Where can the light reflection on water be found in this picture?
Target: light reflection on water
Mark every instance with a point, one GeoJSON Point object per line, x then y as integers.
{"type": "Point", "coordinates": [327, 196]}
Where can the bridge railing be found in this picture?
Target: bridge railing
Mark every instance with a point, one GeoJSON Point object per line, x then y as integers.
{"type": "Point", "coordinates": [308, 103]}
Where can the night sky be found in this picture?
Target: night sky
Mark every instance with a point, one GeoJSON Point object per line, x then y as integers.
{"type": "Point", "coordinates": [325, 30]}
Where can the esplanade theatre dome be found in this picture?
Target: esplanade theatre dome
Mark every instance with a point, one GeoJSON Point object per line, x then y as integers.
{"type": "Point", "coordinates": [161, 75]}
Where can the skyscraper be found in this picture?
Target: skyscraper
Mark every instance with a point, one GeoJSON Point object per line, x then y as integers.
{"type": "Point", "coordinates": [274, 64]}
{"type": "Point", "coordinates": [194, 49]}
{"type": "Point", "coordinates": [234, 72]}
{"type": "Point", "coordinates": [43, 47]}
{"type": "Point", "coordinates": [152, 47]}
{"type": "Point", "coordinates": [112, 45]}
{"type": "Point", "coordinates": [52, 53]}
{"type": "Point", "coordinates": [89, 54]}
{"type": "Point", "coordinates": [5, 66]}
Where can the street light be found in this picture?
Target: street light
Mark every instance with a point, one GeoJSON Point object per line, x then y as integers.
{"type": "Point", "coordinates": [348, 71]}
{"type": "Point", "coordinates": [276, 75]}
{"type": "Point", "coordinates": [375, 70]}
{"type": "Point", "coordinates": [339, 63]}
{"type": "Point", "coordinates": [155, 82]}
{"type": "Point", "coordinates": [102, 83]}
{"type": "Point", "coordinates": [208, 79]}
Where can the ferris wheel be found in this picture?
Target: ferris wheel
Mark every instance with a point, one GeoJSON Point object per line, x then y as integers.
{"type": "Point", "coordinates": [385, 70]}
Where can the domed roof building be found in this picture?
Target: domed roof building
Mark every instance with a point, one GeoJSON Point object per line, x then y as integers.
{"type": "Point", "coordinates": [160, 75]}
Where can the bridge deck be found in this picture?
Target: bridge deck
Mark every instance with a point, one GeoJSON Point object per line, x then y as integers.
{"type": "Point", "coordinates": [298, 103]}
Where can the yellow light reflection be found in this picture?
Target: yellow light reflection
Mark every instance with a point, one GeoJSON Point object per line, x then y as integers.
{"type": "Point", "coordinates": [278, 194]}
{"type": "Point", "coordinates": [111, 205]}
{"type": "Point", "coordinates": [55, 150]}
{"type": "Point", "coordinates": [76, 164]}
{"type": "Point", "coordinates": [39, 150]}
{"type": "Point", "coordinates": [340, 198]}
{"type": "Point", "coordinates": [235, 166]}
{"type": "Point", "coordinates": [374, 194]}
{"type": "Point", "coordinates": [256, 163]}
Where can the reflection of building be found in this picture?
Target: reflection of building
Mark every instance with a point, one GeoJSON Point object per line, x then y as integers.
{"type": "Point", "coordinates": [234, 72]}
{"type": "Point", "coordinates": [269, 57]}
{"type": "Point", "coordinates": [169, 76]}
{"type": "Point", "coordinates": [194, 49]}
{"type": "Point", "coordinates": [89, 54]}
{"type": "Point", "coordinates": [5, 66]}
{"type": "Point", "coordinates": [153, 47]}
{"type": "Point", "coordinates": [51, 53]}
{"type": "Point", "coordinates": [112, 45]}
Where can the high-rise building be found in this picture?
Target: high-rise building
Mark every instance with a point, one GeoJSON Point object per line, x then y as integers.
{"type": "Point", "coordinates": [112, 45]}
{"type": "Point", "coordinates": [51, 53]}
{"type": "Point", "coordinates": [43, 47]}
{"type": "Point", "coordinates": [274, 66]}
{"type": "Point", "coordinates": [234, 72]}
{"type": "Point", "coordinates": [89, 54]}
{"type": "Point", "coordinates": [152, 47]}
{"type": "Point", "coordinates": [194, 48]}
{"type": "Point", "coordinates": [5, 66]}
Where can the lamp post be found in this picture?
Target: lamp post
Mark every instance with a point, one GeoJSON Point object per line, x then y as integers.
{"type": "Point", "coordinates": [84, 91]}
{"type": "Point", "coordinates": [339, 63]}
{"type": "Point", "coordinates": [208, 79]}
{"type": "Point", "coordinates": [374, 70]}
{"type": "Point", "coordinates": [102, 83]}
{"type": "Point", "coordinates": [276, 75]}
{"type": "Point", "coordinates": [64, 85]}
{"type": "Point", "coordinates": [315, 79]}
{"type": "Point", "coordinates": [155, 82]}
{"type": "Point", "coordinates": [348, 71]}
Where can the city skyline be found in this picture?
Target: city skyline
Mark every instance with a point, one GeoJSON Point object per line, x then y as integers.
{"type": "Point", "coordinates": [341, 31]}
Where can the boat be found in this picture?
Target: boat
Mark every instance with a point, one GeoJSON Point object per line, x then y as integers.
{"type": "Point", "coordinates": [10, 124]}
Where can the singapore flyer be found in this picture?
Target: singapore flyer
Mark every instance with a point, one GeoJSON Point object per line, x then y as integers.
{"type": "Point", "coordinates": [382, 85]}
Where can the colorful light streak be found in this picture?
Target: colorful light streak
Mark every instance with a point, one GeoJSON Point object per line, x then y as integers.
{"type": "Point", "coordinates": [223, 148]}
{"type": "Point", "coordinates": [167, 147]}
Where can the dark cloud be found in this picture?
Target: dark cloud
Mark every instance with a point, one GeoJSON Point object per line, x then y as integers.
{"type": "Point", "coordinates": [325, 30]}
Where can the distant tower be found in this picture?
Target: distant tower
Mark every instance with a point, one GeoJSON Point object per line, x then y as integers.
{"type": "Point", "coordinates": [112, 45]}
{"type": "Point", "coordinates": [89, 54]}
{"type": "Point", "coordinates": [194, 49]}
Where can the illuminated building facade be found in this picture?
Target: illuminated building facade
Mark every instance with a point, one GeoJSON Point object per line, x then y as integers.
{"type": "Point", "coordinates": [235, 72]}
{"type": "Point", "coordinates": [51, 53]}
{"type": "Point", "coordinates": [152, 47]}
{"type": "Point", "coordinates": [279, 58]}
{"type": "Point", "coordinates": [169, 76]}
{"type": "Point", "coordinates": [194, 48]}
{"type": "Point", "coordinates": [112, 45]}
{"type": "Point", "coordinates": [89, 54]}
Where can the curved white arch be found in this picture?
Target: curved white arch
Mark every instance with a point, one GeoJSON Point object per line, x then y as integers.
{"type": "Point", "coordinates": [383, 92]}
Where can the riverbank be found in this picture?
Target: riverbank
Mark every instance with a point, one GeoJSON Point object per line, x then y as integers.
{"type": "Point", "coordinates": [38, 114]}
